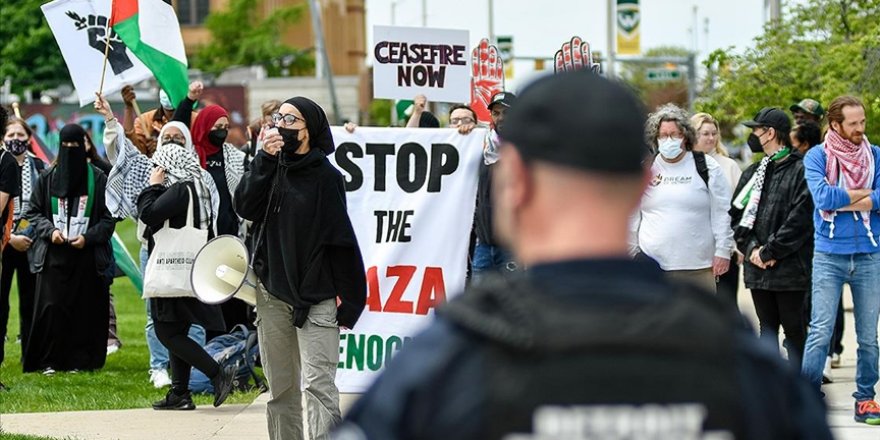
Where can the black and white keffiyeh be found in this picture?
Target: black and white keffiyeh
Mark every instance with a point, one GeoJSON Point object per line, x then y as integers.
{"type": "Point", "coordinates": [131, 174]}
{"type": "Point", "coordinates": [29, 175]}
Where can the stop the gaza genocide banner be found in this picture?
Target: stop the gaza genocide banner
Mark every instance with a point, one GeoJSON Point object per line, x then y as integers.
{"type": "Point", "coordinates": [409, 61]}
{"type": "Point", "coordinates": [411, 196]}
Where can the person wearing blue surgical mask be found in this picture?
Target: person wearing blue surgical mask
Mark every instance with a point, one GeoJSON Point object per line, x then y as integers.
{"type": "Point", "coordinates": [682, 223]}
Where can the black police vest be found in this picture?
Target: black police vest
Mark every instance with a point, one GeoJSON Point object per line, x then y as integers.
{"type": "Point", "coordinates": [629, 366]}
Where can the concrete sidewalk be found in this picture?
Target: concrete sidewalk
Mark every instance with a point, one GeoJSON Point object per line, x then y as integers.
{"type": "Point", "coordinates": [248, 422]}
{"type": "Point", "coordinates": [228, 422]}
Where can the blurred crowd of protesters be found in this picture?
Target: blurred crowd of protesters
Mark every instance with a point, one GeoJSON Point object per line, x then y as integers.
{"type": "Point", "coordinates": [605, 259]}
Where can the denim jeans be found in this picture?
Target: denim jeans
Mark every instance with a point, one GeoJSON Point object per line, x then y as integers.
{"type": "Point", "coordinates": [830, 272]}
{"type": "Point", "coordinates": [488, 258]}
{"type": "Point", "coordinates": [158, 353]}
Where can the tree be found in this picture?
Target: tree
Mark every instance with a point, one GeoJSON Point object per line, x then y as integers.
{"type": "Point", "coordinates": [29, 56]}
{"type": "Point", "coordinates": [820, 49]}
{"type": "Point", "coordinates": [240, 37]}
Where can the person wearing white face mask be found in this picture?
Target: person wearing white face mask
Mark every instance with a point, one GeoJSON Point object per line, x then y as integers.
{"type": "Point", "coordinates": [682, 222]}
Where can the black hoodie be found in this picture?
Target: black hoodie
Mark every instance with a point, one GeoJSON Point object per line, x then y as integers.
{"type": "Point", "coordinates": [308, 252]}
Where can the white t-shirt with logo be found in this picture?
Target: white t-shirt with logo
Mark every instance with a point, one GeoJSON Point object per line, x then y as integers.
{"type": "Point", "coordinates": [682, 223]}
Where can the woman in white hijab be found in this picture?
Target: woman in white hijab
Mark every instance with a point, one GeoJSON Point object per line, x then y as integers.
{"type": "Point", "coordinates": [177, 195]}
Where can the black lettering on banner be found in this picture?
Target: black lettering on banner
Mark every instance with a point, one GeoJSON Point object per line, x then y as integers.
{"type": "Point", "coordinates": [380, 151]}
{"type": "Point", "coordinates": [413, 166]}
{"type": "Point", "coordinates": [347, 165]}
{"type": "Point", "coordinates": [421, 76]}
{"type": "Point", "coordinates": [418, 167]}
{"type": "Point", "coordinates": [444, 161]}
{"type": "Point", "coordinates": [395, 231]}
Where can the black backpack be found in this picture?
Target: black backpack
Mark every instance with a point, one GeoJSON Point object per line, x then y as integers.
{"type": "Point", "coordinates": [702, 168]}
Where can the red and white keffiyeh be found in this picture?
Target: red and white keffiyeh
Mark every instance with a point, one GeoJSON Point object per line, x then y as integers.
{"type": "Point", "coordinates": [856, 164]}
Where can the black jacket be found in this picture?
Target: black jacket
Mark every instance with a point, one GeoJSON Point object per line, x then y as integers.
{"type": "Point", "coordinates": [98, 234]}
{"type": "Point", "coordinates": [578, 334]}
{"type": "Point", "coordinates": [309, 252]}
{"type": "Point", "coordinates": [156, 203]}
{"type": "Point", "coordinates": [784, 226]}
{"type": "Point", "coordinates": [483, 215]}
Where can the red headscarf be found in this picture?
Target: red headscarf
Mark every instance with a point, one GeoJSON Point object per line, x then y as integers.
{"type": "Point", "coordinates": [201, 127]}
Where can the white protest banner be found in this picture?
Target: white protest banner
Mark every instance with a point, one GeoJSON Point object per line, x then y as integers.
{"type": "Point", "coordinates": [80, 28]}
{"type": "Point", "coordinates": [411, 195]}
{"type": "Point", "coordinates": [409, 61]}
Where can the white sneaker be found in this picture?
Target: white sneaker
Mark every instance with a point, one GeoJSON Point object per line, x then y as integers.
{"type": "Point", "coordinates": [112, 348]}
{"type": "Point", "coordinates": [160, 378]}
{"type": "Point", "coordinates": [826, 372]}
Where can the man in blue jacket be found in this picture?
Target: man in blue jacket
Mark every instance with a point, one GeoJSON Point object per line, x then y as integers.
{"type": "Point", "coordinates": [844, 179]}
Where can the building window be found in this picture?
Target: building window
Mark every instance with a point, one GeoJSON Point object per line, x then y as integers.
{"type": "Point", "coordinates": [192, 12]}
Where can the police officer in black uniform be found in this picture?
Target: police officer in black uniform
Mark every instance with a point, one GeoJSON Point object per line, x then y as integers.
{"type": "Point", "coordinates": [585, 344]}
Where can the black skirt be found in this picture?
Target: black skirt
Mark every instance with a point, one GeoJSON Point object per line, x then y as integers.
{"type": "Point", "coordinates": [187, 310]}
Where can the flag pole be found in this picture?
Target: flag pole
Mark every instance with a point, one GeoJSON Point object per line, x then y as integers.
{"type": "Point", "coordinates": [106, 48]}
{"type": "Point", "coordinates": [137, 116]}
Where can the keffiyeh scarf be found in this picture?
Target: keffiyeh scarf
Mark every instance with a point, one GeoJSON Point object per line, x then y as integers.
{"type": "Point", "coordinates": [131, 174]}
{"type": "Point", "coordinates": [856, 164]}
{"type": "Point", "coordinates": [749, 198]}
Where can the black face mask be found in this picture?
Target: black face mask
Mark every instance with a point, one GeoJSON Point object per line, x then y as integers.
{"type": "Point", "coordinates": [290, 136]}
{"type": "Point", "coordinates": [217, 137]}
{"type": "Point", "coordinates": [17, 146]}
{"type": "Point", "coordinates": [754, 143]}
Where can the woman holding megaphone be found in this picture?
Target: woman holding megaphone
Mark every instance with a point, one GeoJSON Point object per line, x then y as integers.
{"type": "Point", "coordinates": [305, 256]}
{"type": "Point", "coordinates": [179, 211]}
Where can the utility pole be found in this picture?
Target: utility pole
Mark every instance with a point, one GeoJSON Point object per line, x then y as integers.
{"type": "Point", "coordinates": [610, 35]}
{"type": "Point", "coordinates": [324, 69]}
{"type": "Point", "coordinates": [424, 13]}
{"type": "Point", "coordinates": [492, 21]}
{"type": "Point", "coordinates": [706, 34]}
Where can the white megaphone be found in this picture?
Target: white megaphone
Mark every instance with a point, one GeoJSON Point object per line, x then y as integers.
{"type": "Point", "coordinates": [222, 270]}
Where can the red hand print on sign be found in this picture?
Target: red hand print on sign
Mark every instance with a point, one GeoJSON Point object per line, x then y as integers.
{"type": "Point", "coordinates": [574, 55]}
{"type": "Point", "coordinates": [487, 78]}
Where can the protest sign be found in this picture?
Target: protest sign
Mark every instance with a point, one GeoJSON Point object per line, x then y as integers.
{"type": "Point", "coordinates": [488, 78]}
{"type": "Point", "coordinates": [411, 61]}
{"type": "Point", "coordinates": [411, 195]}
{"type": "Point", "coordinates": [80, 28]}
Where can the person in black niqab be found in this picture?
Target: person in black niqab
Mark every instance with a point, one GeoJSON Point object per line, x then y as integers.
{"type": "Point", "coordinates": [306, 256]}
{"type": "Point", "coordinates": [71, 252]}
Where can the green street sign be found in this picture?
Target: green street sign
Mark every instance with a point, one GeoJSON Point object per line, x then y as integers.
{"type": "Point", "coordinates": [663, 75]}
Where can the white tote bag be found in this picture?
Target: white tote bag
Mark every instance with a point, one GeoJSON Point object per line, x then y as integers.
{"type": "Point", "coordinates": [170, 263]}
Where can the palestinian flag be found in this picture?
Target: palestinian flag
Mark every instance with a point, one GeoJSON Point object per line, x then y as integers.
{"type": "Point", "coordinates": [150, 30]}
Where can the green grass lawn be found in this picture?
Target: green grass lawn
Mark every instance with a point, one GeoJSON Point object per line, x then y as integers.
{"type": "Point", "coordinates": [123, 383]}
{"type": "Point", "coordinates": [6, 436]}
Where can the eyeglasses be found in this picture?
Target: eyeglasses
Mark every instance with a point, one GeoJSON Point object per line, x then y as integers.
{"type": "Point", "coordinates": [289, 119]}
{"type": "Point", "coordinates": [457, 121]}
{"type": "Point", "coordinates": [660, 140]}
{"type": "Point", "coordinates": [179, 138]}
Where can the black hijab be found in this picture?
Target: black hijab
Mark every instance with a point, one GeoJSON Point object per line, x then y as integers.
{"type": "Point", "coordinates": [69, 178]}
{"type": "Point", "coordinates": [316, 123]}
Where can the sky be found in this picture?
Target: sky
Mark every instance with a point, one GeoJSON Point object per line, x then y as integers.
{"type": "Point", "coordinates": [539, 27]}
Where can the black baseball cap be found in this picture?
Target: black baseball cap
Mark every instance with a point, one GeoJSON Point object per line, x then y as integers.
{"type": "Point", "coordinates": [503, 98]}
{"type": "Point", "coordinates": [770, 117]}
{"type": "Point", "coordinates": [581, 120]}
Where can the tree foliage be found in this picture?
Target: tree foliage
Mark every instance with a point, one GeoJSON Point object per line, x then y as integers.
{"type": "Point", "coordinates": [241, 37]}
{"type": "Point", "coordinates": [820, 49]}
{"type": "Point", "coordinates": [29, 55]}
